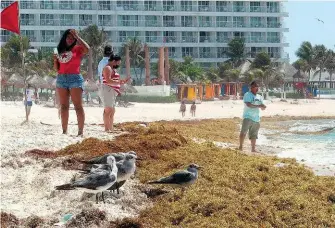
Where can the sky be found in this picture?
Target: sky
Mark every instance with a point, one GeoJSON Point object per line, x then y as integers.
{"type": "Point", "coordinates": [304, 27]}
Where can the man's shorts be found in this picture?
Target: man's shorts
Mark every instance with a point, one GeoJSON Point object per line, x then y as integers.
{"type": "Point", "coordinates": [108, 96]}
{"type": "Point", "coordinates": [69, 81]}
{"type": "Point", "coordinates": [29, 103]}
{"type": "Point", "coordinates": [251, 126]}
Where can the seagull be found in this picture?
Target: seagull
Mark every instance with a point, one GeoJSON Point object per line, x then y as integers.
{"type": "Point", "coordinates": [97, 181]}
{"type": "Point", "coordinates": [320, 20]}
{"type": "Point", "coordinates": [182, 178]}
{"type": "Point", "coordinates": [125, 170]}
{"type": "Point", "coordinates": [103, 159]}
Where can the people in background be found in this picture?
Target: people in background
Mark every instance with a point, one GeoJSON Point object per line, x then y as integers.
{"type": "Point", "coordinates": [71, 49]}
{"type": "Point", "coordinates": [182, 108]}
{"type": "Point", "coordinates": [29, 102]}
{"type": "Point", "coordinates": [193, 108]}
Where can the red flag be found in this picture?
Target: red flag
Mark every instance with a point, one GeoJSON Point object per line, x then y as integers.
{"type": "Point", "coordinates": [10, 18]}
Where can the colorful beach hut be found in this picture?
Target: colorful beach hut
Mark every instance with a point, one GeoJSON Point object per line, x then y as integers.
{"type": "Point", "coordinates": [232, 88]}
{"type": "Point", "coordinates": [190, 92]}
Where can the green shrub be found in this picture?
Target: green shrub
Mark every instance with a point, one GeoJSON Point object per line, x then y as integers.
{"type": "Point", "coordinates": [149, 99]}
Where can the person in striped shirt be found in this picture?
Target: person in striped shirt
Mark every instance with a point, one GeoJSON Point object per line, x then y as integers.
{"type": "Point", "coordinates": [110, 89]}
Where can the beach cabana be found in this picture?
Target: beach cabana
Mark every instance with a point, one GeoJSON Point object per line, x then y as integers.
{"type": "Point", "coordinates": [232, 88]}
{"type": "Point", "coordinates": [189, 92]}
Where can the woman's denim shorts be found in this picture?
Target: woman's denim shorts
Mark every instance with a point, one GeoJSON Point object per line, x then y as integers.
{"type": "Point", "coordinates": [69, 81]}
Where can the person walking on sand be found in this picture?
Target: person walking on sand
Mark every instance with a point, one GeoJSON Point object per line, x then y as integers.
{"type": "Point", "coordinates": [69, 82]}
{"type": "Point", "coordinates": [108, 51]}
{"type": "Point", "coordinates": [182, 108]}
{"type": "Point", "coordinates": [251, 118]}
{"type": "Point", "coordinates": [29, 103]}
{"type": "Point", "coordinates": [193, 108]}
{"type": "Point", "coordinates": [110, 89]}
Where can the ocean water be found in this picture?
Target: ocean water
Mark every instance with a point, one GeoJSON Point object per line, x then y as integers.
{"type": "Point", "coordinates": [311, 149]}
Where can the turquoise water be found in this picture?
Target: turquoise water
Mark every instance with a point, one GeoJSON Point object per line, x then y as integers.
{"type": "Point", "coordinates": [312, 149]}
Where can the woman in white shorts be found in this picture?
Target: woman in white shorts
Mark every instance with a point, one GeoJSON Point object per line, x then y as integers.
{"type": "Point", "coordinates": [110, 89]}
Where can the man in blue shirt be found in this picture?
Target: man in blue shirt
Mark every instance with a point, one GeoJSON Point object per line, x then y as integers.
{"type": "Point", "coordinates": [108, 51]}
{"type": "Point", "coordinates": [252, 103]}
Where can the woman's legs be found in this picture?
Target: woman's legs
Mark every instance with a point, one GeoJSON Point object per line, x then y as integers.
{"type": "Point", "coordinates": [111, 119]}
{"type": "Point", "coordinates": [76, 97]}
{"type": "Point", "coordinates": [64, 96]}
{"type": "Point", "coordinates": [107, 115]}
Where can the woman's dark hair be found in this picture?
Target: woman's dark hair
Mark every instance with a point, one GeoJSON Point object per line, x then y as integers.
{"type": "Point", "coordinates": [62, 46]}
{"type": "Point", "coordinates": [114, 58]}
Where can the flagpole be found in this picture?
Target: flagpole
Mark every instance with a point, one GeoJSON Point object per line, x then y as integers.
{"type": "Point", "coordinates": [23, 64]}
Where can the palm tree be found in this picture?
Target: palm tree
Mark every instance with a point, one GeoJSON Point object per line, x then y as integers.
{"type": "Point", "coordinates": [306, 52]}
{"type": "Point", "coordinates": [322, 58]}
{"type": "Point", "coordinates": [236, 52]}
{"type": "Point", "coordinates": [11, 53]}
{"type": "Point", "coordinates": [96, 39]}
{"type": "Point", "coordinates": [137, 55]}
{"type": "Point", "coordinates": [330, 66]}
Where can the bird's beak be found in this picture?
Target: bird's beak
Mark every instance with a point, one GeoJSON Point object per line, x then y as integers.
{"type": "Point", "coordinates": [140, 159]}
{"type": "Point", "coordinates": [200, 167]}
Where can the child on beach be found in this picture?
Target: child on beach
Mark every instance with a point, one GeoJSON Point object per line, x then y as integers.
{"type": "Point", "coordinates": [182, 108]}
{"type": "Point", "coordinates": [193, 108]}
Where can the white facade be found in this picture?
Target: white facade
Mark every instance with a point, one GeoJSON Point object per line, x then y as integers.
{"type": "Point", "coordinates": [200, 29]}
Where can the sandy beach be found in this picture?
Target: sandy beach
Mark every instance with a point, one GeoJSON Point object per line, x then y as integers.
{"type": "Point", "coordinates": [27, 185]}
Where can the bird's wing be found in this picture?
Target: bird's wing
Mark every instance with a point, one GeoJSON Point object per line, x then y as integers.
{"type": "Point", "coordinates": [95, 180]}
{"type": "Point", "coordinates": [98, 160]}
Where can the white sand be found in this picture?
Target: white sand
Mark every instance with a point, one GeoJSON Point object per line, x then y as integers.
{"type": "Point", "coordinates": [27, 185]}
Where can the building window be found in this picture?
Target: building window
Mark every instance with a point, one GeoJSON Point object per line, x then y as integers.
{"type": "Point", "coordinates": [151, 21]}
{"type": "Point", "coordinates": [274, 52]}
{"type": "Point", "coordinates": [186, 21]}
{"type": "Point", "coordinates": [105, 20]}
{"type": "Point", "coordinates": [27, 19]}
{"type": "Point", "coordinates": [5, 4]}
{"type": "Point", "coordinates": [172, 52]}
{"type": "Point", "coordinates": [273, 37]}
{"type": "Point", "coordinates": [257, 37]}
{"type": "Point", "coordinates": [168, 5]}
{"type": "Point", "coordinates": [30, 34]}
{"type": "Point", "coordinates": [204, 37]}
{"type": "Point", "coordinates": [205, 52]}
{"type": "Point", "coordinates": [222, 37]}
{"type": "Point", "coordinates": [170, 37]}
{"type": "Point", "coordinates": [27, 5]}
{"type": "Point", "coordinates": [273, 22]}
{"type": "Point", "coordinates": [256, 22]}
{"type": "Point", "coordinates": [47, 19]}
{"type": "Point", "coordinates": [255, 7]}
{"type": "Point", "coordinates": [126, 35]}
{"type": "Point", "coordinates": [67, 5]}
{"type": "Point", "coordinates": [188, 51]}
{"type": "Point", "coordinates": [222, 52]}
{"type": "Point", "coordinates": [222, 6]}
{"type": "Point", "coordinates": [203, 6]}
{"type": "Point", "coordinates": [127, 20]}
{"type": "Point", "coordinates": [255, 51]}
{"type": "Point", "coordinates": [150, 5]}
{"type": "Point", "coordinates": [127, 5]}
{"type": "Point", "coordinates": [238, 22]}
{"type": "Point", "coordinates": [47, 5]}
{"type": "Point", "coordinates": [168, 21]}
{"type": "Point", "coordinates": [204, 21]}
{"type": "Point", "coordinates": [66, 19]}
{"type": "Point", "coordinates": [85, 20]}
{"type": "Point", "coordinates": [48, 36]}
{"type": "Point", "coordinates": [5, 35]}
{"type": "Point", "coordinates": [104, 5]}
{"type": "Point", "coordinates": [189, 37]}
{"type": "Point", "coordinates": [238, 35]}
{"type": "Point", "coordinates": [151, 36]}
{"type": "Point", "coordinates": [239, 6]}
{"type": "Point", "coordinates": [223, 21]}
{"type": "Point", "coordinates": [186, 6]}
{"type": "Point", "coordinates": [85, 5]}
{"type": "Point", "coordinates": [272, 7]}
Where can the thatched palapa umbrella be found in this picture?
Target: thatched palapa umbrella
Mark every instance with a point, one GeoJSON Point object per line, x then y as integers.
{"type": "Point", "coordinates": [16, 80]}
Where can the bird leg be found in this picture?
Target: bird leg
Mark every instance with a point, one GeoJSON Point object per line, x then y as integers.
{"type": "Point", "coordinates": [103, 198]}
{"type": "Point", "coordinates": [96, 198]}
